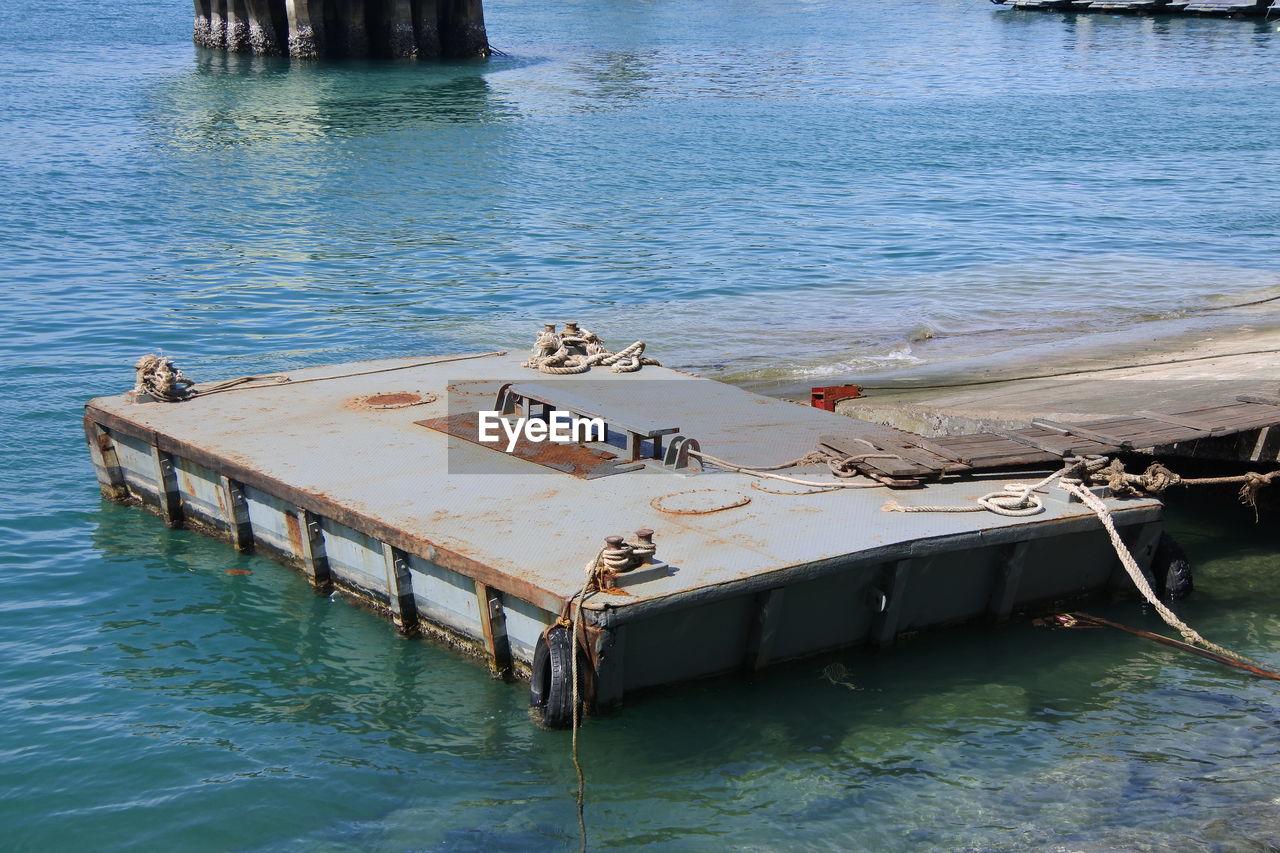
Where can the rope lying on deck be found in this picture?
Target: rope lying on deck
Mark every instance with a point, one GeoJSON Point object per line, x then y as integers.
{"type": "Point", "coordinates": [1015, 499]}
{"type": "Point", "coordinates": [576, 350]}
{"type": "Point", "coordinates": [157, 376]}
{"type": "Point", "coordinates": [837, 466]}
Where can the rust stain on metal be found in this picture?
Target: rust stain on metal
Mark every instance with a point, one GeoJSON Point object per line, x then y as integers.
{"type": "Point", "coordinates": [392, 400]}
{"type": "Point", "coordinates": [292, 522]}
{"type": "Point", "coordinates": [245, 470]}
{"type": "Point", "coordinates": [475, 388]}
{"type": "Point", "coordinates": [699, 502]}
{"type": "Point", "coordinates": [791, 489]}
{"type": "Point", "coordinates": [581, 461]}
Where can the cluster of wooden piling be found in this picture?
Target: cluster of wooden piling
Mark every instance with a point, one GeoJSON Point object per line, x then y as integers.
{"type": "Point", "coordinates": [314, 29]}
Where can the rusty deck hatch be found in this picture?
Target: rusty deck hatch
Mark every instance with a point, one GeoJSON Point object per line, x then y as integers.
{"type": "Point", "coordinates": [580, 460]}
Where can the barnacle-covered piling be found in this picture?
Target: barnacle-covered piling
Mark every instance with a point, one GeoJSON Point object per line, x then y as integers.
{"type": "Point", "coordinates": [318, 29]}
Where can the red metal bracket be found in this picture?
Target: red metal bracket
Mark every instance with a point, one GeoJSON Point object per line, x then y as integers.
{"type": "Point", "coordinates": [826, 396]}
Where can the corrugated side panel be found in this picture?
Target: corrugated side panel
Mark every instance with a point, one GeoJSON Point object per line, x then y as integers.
{"type": "Point", "coordinates": [1063, 566]}
{"type": "Point", "coordinates": [951, 587]}
{"type": "Point", "coordinates": [825, 613]}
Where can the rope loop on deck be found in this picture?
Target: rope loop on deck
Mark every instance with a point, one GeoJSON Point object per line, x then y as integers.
{"type": "Point", "coordinates": [1016, 500]}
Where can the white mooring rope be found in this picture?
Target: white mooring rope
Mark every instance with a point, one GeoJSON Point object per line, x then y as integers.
{"type": "Point", "coordinates": [1018, 499]}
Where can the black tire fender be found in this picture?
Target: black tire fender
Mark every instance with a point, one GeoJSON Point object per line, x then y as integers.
{"type": "Point", "coordinates": [551, 685]}
{"type": "Point", "coordinates": [1171, 570]}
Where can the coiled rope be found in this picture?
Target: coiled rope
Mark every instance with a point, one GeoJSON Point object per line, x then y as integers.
{"type": "Point", "coordinates": [160, 378]}
{"type": "Point", "coordinates": [577, 350]}
{"type": "Point", "coordinates": [1016, 500]}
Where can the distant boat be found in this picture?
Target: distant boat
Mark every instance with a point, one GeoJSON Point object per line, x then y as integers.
{"type": "Point", "coordinates": [1225, 8]}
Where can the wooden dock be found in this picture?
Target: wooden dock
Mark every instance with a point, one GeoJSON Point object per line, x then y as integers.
{"type": "Point", "coordinates": [1048, 441]}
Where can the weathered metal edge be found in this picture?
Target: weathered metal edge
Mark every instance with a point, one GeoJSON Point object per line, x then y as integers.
{"type": "Point", "coordinates": [421, 547]}
{"type": "Point", "coordinates": [614, 613]}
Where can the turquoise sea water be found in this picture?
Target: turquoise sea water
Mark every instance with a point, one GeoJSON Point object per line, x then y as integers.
{"type": "Point", "coordinates": [762, 191]}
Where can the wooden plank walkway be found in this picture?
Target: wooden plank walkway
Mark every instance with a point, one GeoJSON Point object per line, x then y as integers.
{"type": "Point", "coordinates": [917, 459]}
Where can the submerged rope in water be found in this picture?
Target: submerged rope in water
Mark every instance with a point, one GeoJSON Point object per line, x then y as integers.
{"type": "Point", "coordinates": [1100, 509]}
{"type": "Point", "coordinates": [589, 586]}
{"type": "Point", "coordinates": [1019, 500]}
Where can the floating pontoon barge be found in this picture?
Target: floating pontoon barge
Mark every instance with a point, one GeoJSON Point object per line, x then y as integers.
{"type": "Point", "coordinates": [369, 478]}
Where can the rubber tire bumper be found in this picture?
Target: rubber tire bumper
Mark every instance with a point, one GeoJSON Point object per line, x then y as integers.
{"type": "Point", "coordinates": [1171, 570]}
{"type": "Point", "coordinates": [551, 687]}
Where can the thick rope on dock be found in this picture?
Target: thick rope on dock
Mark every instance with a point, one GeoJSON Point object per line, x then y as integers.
{"type": "Point", "coordinates": [160, 378]}
{"type": "Point", "coordinates": [1100, 509]}
{"type": "Point", "coordinates": [1020, 500]}
{"type": "Point", "coordinates": [765, 472]}
{"type": "Point", "coordinates": [577, 350]}
{"type": "Point", "coordinates": [1157, 478]}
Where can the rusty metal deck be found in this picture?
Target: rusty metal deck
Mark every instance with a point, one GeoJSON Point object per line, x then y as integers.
{"type": "Point", "coordinates": [526, 529]}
